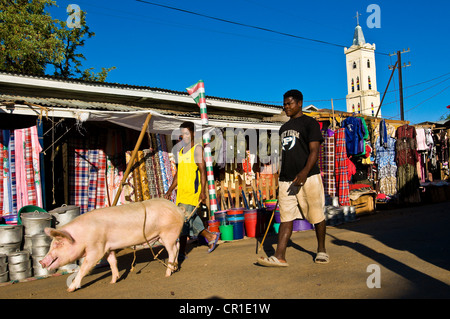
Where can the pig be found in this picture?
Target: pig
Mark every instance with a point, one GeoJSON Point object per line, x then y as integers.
{"type": "Point", "coordinates": [100, 232]}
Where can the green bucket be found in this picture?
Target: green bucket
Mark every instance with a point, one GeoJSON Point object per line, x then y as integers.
{"type": "Point", "coordinates": [29, 209]}
{"type": "Point", "coordinates": [226, 232]}
{"type": "Point", "coordinates": [276, 227]}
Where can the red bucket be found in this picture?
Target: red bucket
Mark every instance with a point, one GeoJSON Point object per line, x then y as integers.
{"type": "Point", "coordinates": [251, 223]}
{"type": "Point", "coordinates": [213, 225]}
{"type": "Point", "coordinates": [235, 211]}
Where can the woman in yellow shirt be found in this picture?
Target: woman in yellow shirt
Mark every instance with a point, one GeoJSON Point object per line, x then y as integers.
{"type": "Point", "coordinates": [190, 180]}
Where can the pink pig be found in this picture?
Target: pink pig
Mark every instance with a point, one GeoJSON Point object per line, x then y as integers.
{"type": "Point", "coordinates": [102, 231]}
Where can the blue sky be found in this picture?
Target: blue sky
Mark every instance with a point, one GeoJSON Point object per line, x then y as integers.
{"type": "Point", "coordinates": [159, 47]}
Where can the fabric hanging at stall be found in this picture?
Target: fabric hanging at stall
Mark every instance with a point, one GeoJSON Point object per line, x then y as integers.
{"type": "Point", "coordinates": [407, 157]}
{"type": "Point", "coordinates": [87, 174]}
{"type": "Point", "coordinates": [327, 162]}
{"type": "Point", "coordinates": [385, 160]}
{"type": "Point", "coordinates": [341, 168]}
{"type": "Point", "coordinates": [152, 173]}
{"type": "Point", "coordinates": [354, 135]}
{"type": "Point", "coordinates": [20, 170]}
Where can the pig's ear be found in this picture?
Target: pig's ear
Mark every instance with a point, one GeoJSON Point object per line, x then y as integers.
{"type": "Point", "coordinates": [59, 234]}
{"type": "Point", "coordinates": [182, 209]}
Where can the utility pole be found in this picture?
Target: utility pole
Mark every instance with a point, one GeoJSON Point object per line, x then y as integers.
{"type": "Point", "coordinates": [400, 80]}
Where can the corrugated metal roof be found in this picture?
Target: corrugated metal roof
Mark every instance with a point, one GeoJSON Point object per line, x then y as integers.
{"type": "Point", "coordinates": [134, 87]}
{"type": "Point", "coordinates": [104, 106]}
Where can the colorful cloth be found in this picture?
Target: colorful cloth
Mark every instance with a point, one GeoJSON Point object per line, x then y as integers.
{"type": "Point", "coordinates": [328, 163]}
{"type": "Point", "coordinates": [341, 168]}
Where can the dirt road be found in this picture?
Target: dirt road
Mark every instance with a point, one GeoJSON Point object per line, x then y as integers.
{"type": "Point", "coordinates": [409, 247]}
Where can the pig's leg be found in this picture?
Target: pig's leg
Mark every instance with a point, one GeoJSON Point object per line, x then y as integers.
{"type": "Point", "coordinates": [172, 246]}
{"type": "Point", "coordinates": [89, 262]}
{"type": "Point", "coordinates": [113, 264]}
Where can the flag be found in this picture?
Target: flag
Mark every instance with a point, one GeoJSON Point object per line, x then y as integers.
{"type": "Point", "coordinates": [197, 92]}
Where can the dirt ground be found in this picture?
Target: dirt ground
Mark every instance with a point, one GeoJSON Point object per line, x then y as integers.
{"type": "Point", "coordinates": [411, 247]}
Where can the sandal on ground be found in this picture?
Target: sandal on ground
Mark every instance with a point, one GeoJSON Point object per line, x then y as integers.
{"type": "Point", "coordinates": [214, 243]}
{"type": "Point", "coordinates": [322, 258]}
{"type": "Point", "coordinates": [271, 262]}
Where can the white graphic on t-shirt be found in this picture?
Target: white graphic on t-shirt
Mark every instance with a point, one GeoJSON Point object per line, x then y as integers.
{"type": "Point", "coordinates": [288, 143]}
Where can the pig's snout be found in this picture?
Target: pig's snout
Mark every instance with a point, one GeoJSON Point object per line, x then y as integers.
{"type": "Point", "coordinates": [42, 263]}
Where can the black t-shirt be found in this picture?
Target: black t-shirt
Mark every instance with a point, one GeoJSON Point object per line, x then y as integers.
{"type": "Point", "coordinates": [296, 134]}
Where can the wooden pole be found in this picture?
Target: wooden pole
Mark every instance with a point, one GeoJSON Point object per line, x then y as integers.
{"type": "Point", "coordinates": [268, 226]}
{"type": "Point", "coordinates": [133, 156]}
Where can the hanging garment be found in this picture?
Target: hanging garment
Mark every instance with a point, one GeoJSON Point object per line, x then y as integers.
{"type": "Point", "coordinates": [328, 163]}
{"type": "Point", "coordinates": [421, 140]}
{"type": "Point", "coordinates": [354, 135]}
{"type": "Point", "coordinates": [406, 158]}
{"type": "Point", "coordinates": [341, 168]}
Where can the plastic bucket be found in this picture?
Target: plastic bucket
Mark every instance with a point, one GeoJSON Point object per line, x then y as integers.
{"type": "Point", "coordinates": [221, 216]}
{"type": "Point", "coordinates": [277, 216]}
{"type": "Point", "coordinates": [276, 227]}
{"type": "Point", "coordinates": [301, 224]}
{"type": "Point", "coordinates": [226, 232]}
{"type": "Point", "coordinates": [238, 226]}
{"type": "Point", "coordinates": [235, 211]}
{"type": "Point", "coordinates": [251, 223]}
{"type": "Point", "coordinates": [213, 225]}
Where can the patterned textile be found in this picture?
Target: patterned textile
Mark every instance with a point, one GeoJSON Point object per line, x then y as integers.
{"type": "Point", "coordinates": [128, 188]}
{"type": "Point", "coordinates": [328, 163]}
{"type": "Point", "coordinates": [12, 169]}
{"type": "Point", "coordinates": [87, 174]}
{"type": "Point", "coordinates": [341, 168]}
{"type": "Point", "coordinates": [2, 187]}
{"type": "Point", "coordinates": [79, 175]}
{"type": "Point", "coordinates": [407, 157]}
{"type": "Point", "coordinates": [150, 173]}
{"type": "Point", "coordinates": [143, 176]}
{"type": "Point", "coordinates": [29, 169]}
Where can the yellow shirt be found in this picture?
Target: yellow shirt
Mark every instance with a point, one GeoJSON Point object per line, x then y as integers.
{"type": "Point", "coordinates": [188, 175]}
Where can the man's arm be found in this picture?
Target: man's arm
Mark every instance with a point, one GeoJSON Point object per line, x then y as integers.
{"type": "Point", "coordinates": [198, 155]}
{"type": "Point", "coordinates": [301, 177]}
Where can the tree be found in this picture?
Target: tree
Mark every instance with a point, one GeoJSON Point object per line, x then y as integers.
{"type": "Point", "coordinates": [30, 40]}
{"type": "Point", "coordinates": [72, 39]}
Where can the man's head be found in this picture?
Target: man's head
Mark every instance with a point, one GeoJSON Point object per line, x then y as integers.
{"type": "Point", "coordinates": [187, 131]}
{"type": "Point", "coordinates": [292, 103]}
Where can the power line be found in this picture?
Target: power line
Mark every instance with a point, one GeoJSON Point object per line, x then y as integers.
{"type": "Point", "coordinates": [245, 25]}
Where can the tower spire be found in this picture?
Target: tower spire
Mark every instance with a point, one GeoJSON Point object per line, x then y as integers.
{"type": "Point", "coordinates": [357, 17]}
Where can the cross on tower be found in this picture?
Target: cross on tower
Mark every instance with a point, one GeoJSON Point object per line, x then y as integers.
{"type": "Point", "coordinates": [357, 17]}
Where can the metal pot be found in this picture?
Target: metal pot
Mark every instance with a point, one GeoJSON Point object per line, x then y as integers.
{"type": "Point", "coordinates": [40, 250]}
{"type": "Point", "coordinates": [65, 214]}
{"type": "Point", "coordinates": [3, 263]}
{"type": "Point", "coordinates": [11, 234]}
{"type": "Point", "coordinates": [4, 276]}
{"type": "Point", "coordinates": [19, 267]}
{"type": "Point", "coordinates": [20, 275]}
{"type": "Point", "coordinates": [9, 248]}
{"type": "Point", "coordinates": [27, 243]}
{"type": "Point", "coordinates": [41, 272]}
{"type": "Point", "coordinates": [35, 222]}
{"type": "Point", "coordinates": [18, 257]}
{"type": "Point", "coordinates": [41, 240]}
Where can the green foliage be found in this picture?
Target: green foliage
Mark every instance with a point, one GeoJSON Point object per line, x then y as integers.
{"type": "Point", "coordinates": [30, 40]}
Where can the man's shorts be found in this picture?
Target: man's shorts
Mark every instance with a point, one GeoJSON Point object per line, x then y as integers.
{"type": "Point", "coordinates": [194, 225]}
{"type": "Point", "coordinates": [304, 202]}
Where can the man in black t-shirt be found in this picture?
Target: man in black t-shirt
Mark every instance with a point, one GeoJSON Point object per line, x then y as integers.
{"type": "Point", "coordinates": [301, 193]}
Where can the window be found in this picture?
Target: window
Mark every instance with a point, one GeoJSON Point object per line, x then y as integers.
{"type": "Point", "coordinates": [353, 86]}
{"type": "Point", "coordinates": [354, 65]}
{"type": "Point", "coordinates": [370, 84]}
{"type": "Point", "coordinates": [357, 83]}
{"type": "Point", "coordinates": [368, 63]}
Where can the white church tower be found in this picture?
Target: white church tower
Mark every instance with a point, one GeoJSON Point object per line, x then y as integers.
{"type": "Point", "coordinates": [363, 97]}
